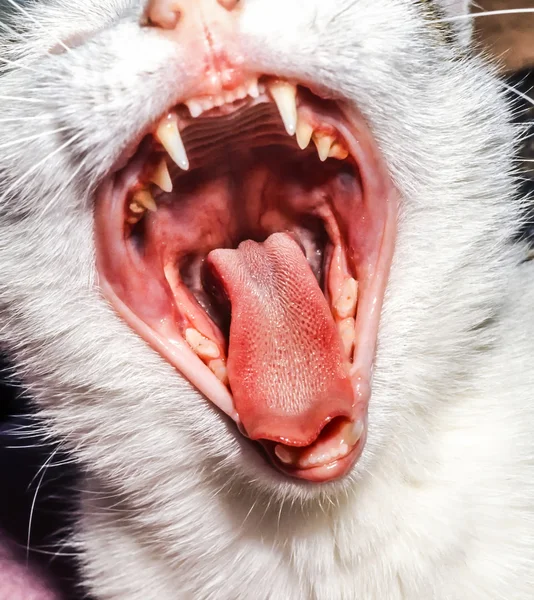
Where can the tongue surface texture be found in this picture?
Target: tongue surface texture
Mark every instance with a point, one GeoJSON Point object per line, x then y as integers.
{"type": "Point", "coordinates": [286, 366]}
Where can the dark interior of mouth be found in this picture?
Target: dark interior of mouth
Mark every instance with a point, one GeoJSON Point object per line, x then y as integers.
{"type": "Point", "coordinates": [256, 259]}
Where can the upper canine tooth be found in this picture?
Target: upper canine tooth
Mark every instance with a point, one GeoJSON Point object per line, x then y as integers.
{"type": "Point", "coordinates": [161, 176]}
{"type": "Point", "coordinates": [285, 96]}
{"type": "Point", "coordinates": [169, 136]}
{"type": "Point", "coordinates": [323, 143]}
{"type": "Point", "coordinates": [204, 347]}
{"type": "Point", "coordinates": [145, 198]}
{"type": "Point", "coordinates": [345, 305]}
{"type": "Point", "coordinates": [304, 134]}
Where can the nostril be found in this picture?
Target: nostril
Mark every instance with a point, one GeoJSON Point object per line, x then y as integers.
{"type": "Point", "coordinates": [228, 4]}
{"type": "Point", "coordinates": [164, 14]}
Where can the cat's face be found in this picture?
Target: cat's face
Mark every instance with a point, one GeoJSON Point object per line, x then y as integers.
{"type": "Point", "coordinates": [145, 219]}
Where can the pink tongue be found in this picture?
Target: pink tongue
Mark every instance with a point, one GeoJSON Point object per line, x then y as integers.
{"type": "Point", "coordinates": [286, 366]}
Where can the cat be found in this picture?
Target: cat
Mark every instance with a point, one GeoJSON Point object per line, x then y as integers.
{"type": "Point", "coordinates": [436, 497]}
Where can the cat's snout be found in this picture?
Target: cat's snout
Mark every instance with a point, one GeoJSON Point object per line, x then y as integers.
{"type": "Point", "coordinates": [167, 14]}
{"type": "Point", "coordinates": [206, 30]}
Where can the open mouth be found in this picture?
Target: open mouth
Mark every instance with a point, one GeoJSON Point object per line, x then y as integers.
{"type": "Point", "coordinates": [248, 240]}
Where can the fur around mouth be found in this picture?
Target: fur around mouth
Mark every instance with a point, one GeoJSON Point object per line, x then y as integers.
{"type": "Point", "coordinates": [248, 240]}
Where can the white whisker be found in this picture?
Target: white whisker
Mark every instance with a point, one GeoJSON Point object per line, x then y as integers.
{"type": "Point", "coordinates": [11, 30]}
{"type": "Point", "coordinates": [34, 137]}
{"type": "Point", "coordinates": [17, 65]}
{"type": "Point", "coordinates": [34, 20]}
{"type": "Point", "coordinates": [518, 93]}
{"type": "Point", "coordinates": [37, 166]}
{"type": "Point", "coordinates": [489, 13]}
{"type": "Point", "coordinates": [67, 183]}
{"type": "Point", "coordinates": [18, 119]}
{"type": "Point", "coordinates": [34, 500]}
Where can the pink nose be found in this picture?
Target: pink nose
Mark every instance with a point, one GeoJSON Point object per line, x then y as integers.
{"type": "Point", "coordinates": [166, 14]}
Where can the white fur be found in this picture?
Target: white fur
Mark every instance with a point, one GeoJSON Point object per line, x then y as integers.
{"type": "Point", "coordinates": [441, 504]}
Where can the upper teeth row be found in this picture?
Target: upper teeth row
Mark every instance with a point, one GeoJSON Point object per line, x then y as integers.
{"type": "Point", "coordinates": [284, 95]}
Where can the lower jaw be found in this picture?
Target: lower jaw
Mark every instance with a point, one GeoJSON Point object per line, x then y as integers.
{"type": "Point", "coordinates": [161, 331]}
{"type": "Point", "coordinates": [324, 473]}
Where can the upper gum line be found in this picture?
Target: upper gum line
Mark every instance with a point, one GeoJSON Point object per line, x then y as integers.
{"type": "Point", "coordinates": [297, 119]}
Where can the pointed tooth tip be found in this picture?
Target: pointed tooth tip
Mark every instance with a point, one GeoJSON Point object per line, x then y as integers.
{"type": "Point", "coordinates": [169, 136]}
{"type": "Point", "coordinates": [145, 198]}
{"type": "Point", "coordinates": [354, 432]}
{"type": "Point", "coordinates": [285, 96]}
{"type": "Point", "coordinates": [323, 144]}
{"type": "Point", "coordinates": [283, 454]}
{"type": "Point", "coordinates": [304, 134]}
{"type": "Point", "coordinates": [161, 177]}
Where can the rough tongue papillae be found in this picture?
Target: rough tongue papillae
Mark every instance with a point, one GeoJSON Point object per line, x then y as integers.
{"type": "Point", "coordinates": [286, 365]}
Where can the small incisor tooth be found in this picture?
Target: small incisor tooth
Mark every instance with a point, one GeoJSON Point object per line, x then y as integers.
{"type": "Point", "coordinates": [347, 333]}
{"type": "Point", "coordinates": [304, 134]}
{"type": "Point", "coordinates": [323, 143]}
{"type": "Point", "coordinates": [285, 96]}
{"type": "Point", "coordinates": [161, 176]}
{"type": "Point", "coordinates": [345, 305]}
{"type": "Point", "coordinates": [144, 199]}
{"type": "Point", "coordinates": [218, 368]}
{"type": "Point", "coordinates": [201, 345]}
{"type": "Point", "coordinates": [169, 136]}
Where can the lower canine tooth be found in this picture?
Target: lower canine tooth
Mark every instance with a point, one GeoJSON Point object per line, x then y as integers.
{"type": "Point", "coordinates": [201, 345]}
{"type": "Point", "coordinates": [345, 305]}
{"type": "Point", "coordinates": [284, 454]}
{"type": "Point", "coordinates": [169, 136]}
{"type": "Point", "coordinates": [353, 433]}
{"type": "Point", "coordinates": [285, 96]}
{"type": "Point", "coordinates": [323, 143]}
{"type": "Point", "coordinates": [144, 198]}
{"type": "Point", "coordinates": [304, 134]}
{"type": "Point", "coordinates": [161, 176]}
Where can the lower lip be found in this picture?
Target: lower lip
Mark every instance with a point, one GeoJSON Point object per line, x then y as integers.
{"type": "Point", "coordinates": [324, 473]}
